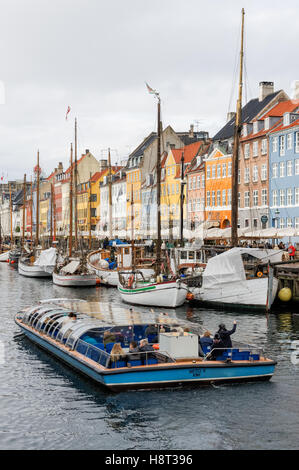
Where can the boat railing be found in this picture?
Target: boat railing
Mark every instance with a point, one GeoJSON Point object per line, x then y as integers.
{"type": "Point", "coordinates": [250, 353]}
{"type": "Point", "coordinates": [107, 360]}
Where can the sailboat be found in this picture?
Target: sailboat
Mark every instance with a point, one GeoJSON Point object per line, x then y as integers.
{"type": "Point", "coordinates": [226, 280]}
{"type": "Point", "coordinates": [160, 290]}
{"type": "Point", "coordinates": [73, 271]}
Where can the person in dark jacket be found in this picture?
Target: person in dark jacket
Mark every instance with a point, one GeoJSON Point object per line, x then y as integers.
{"type": "Point", "coordinates": [217, 348]}
{"type": "Point", "coordinates": [134, 352]}
{"type": "Point", "coordinates": [225, 334]}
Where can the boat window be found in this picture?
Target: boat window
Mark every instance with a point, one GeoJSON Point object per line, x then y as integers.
{"type": "Point", "coordinates": [45, 317]}
{"type": "Point", "coordinates": [49, 324]}
{"type": "Point", "coordinates": [28, 314]}
{"type": "Point", "coordinates": [198, 255]}
{"type": "Point", "coordinates": [191, 255]}
{"type": "Point", "coordinates": [183, 254]}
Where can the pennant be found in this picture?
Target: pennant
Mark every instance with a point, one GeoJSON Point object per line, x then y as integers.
{"type": "Point", "coordinates": [151, 90]}
{"type": "Point", "coordinates": [67, 112]}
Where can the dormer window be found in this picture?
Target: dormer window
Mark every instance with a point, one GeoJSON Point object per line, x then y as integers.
{"type": "Point", "coordinates": [255, 127]}
{"type": "Point", "coordinates": [286, 119]}
{"type": "Point", "coordinates": [267, 123]}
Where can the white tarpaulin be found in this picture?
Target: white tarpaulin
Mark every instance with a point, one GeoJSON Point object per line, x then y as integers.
{"type": "Point", "coordinates": [46, 259]}
{"type": "Point", "coordinates": [228, 266]}
{"type": "Point", "coordinates": [71, 267]}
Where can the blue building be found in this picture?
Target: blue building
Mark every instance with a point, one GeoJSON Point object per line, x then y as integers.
{"type": "Point", "coordinates": [284, 173]}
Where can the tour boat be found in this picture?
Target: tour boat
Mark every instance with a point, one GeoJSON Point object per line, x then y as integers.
{"type": "Point", "coordinates": [158, 292]}
{"type": "Point", "coordinates": [174, 362]}
{"type": "Point", "coordinates": [239, 277]}
{"type": "Point", "coordinates": [41, 265]}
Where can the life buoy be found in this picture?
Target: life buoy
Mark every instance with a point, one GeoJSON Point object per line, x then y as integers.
{"type": "Point", "coordinates": [259, 274]}
{"type": "Point", "coordinates": [130, 281]}
{"type": "Point", "coordinates": [291, 250]}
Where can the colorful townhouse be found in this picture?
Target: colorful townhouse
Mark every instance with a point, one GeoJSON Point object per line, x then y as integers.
{"type": "Point", "coordinates": [253, 175]}
{"type": "Point", "coordinates": [284, 172]}
{"type": "Point", "coordinates": [218, 186]}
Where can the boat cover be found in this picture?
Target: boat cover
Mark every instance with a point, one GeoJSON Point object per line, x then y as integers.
{"type": "Point", "coordinates": [46, 259]}
{"type": "Point", "coordinates": [71, 267]}
{"type": "Point", "coordinates": [228, 267]}
{"type": "Point", "coordinates": [4, 256]}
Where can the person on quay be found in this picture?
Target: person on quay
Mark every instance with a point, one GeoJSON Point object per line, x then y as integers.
{"type": "Point", "coordinates": [225, 334]}
{"type": "Point", "coordinates": [291, 251]}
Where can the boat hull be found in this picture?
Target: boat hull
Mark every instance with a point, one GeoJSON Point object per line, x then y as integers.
{"type": "Point", "coordinates": [251, 294]}
{"type": "Point", "coordinates": [167, 294]}
{"type": "Point", "coordinates": [153, 376]}
{"type": "Point", "coordinates": [33, 271]}
{"type": "Point", "coordinates": [110, 277]}
{"type": "Point", "coordinates": [74, 280]}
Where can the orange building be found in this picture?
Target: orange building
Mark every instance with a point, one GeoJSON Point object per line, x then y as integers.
{"type": "Point", "coordinates": [219, 187]}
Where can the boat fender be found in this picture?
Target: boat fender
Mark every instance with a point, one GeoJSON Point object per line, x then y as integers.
{"type": "Point", "coordinates": [130, 281]}
{"type": "Point", "coordinates": [259, 274]}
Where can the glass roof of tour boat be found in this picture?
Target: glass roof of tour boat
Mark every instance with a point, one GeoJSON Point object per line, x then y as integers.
{"type": "Point", "coordinates": [110, 315]}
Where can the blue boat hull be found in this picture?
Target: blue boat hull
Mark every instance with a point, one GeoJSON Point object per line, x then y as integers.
{"type": "Point", "coordinates": [168, 375]}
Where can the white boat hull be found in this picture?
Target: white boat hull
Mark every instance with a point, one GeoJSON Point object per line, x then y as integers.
{"type": "Point", "coordinates": [4, 257]}
{"type": "Point", "coordinates": [74, 280]}
{"type": "Point", "coordinates": [110, 278]}
{"type": "Point", "coordinates": [167, 294]}
{"type": "Point", "coordinates": [249, 293]}
{"type": "Point", "coordinates": [34, 271]}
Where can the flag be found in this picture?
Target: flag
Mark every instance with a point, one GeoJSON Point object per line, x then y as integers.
{"type": "Point", "coordinates": [151, 90]}
{"type": "Point", "coordinates": [67, 111]}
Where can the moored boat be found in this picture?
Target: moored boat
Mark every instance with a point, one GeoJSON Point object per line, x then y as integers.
{"type": "Point", "coordinates": [40, 265]}
{"type": "Point", "coordinates": [79, 341]}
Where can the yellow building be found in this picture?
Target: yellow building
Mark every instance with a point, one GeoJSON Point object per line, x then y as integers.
{"type": "Point", "coordinates": [44, 208]}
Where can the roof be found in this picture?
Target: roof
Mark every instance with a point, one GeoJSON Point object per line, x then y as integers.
{"type": "Point", "coordinates": [281, 127]}
{"type": "Point", "coordinates": [190, 151]}
{"type": "Point", "coordinates": [249, 112]}
{"type": "Point", "coordinates": [281, 108]}
{"type": "Point", "coordinates": [138, 152]}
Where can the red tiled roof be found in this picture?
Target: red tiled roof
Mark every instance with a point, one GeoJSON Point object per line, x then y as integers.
{"type": "Point", "coordinates": [281, 108]}
{"type": "Point", "coordinates": [281, 127]}
{"type": "Point", "coordinates": [190, 151]}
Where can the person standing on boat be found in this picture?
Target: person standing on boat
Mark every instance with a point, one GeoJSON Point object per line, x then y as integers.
{"type": "Point", "coordinates": [217, 348]}
{"type": "Point", "coordinates": [225, 334]}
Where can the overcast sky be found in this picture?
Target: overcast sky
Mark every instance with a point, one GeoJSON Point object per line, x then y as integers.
{"type": "Point", "coordinates": [95, 55]}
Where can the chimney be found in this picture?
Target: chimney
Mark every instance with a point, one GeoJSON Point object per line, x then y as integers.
{"type": "Point", "coordinates": [86, 151]}
{"type": "Point", "coordinates": [103, 164]}
{"type": "Point", "coordinates": [60, 167]}
{"type": "Point", "coordinates": [295, 88]}
{"type": "Point", "coordinates": [191, 131]}
{"type": "Point", "coordinates": [230, 116]}
{"type": "Point", "coordinates": [266, 88]}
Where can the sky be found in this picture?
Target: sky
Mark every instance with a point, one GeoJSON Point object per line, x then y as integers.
{"type": "Point", "coordinates": [95, 56]}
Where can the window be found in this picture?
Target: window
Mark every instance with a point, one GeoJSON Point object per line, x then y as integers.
{"type": "Point", "coordinates": [296, 222]}
{"type": "Point", "coordinates": [264, 197]}
{"type": "Point", "coordinates": [247, 175]}
{"type": "Point", "coordinates": [239, 199]}
{"type": "Point", "coordinates": [255, 175]}
{"type": "Point", "coordinates": [173, 170]}
{"type": "Point", "coordinates": [289, 222]}
{"type": "Point", "coordinates": [255, 197]}
{"type": "Point", "coordinates": [246, 150]}
{"type": "Point", "coordinates": [281, 197]}
{"type": "Point", "coordinates": [282, 145]}
{"type": "Point", "coordinates": [282, 169]}
{"type": "Point", "coordinates": [264, 146]}
{"type": "Point", "coordinates": [229, 169]}
{"type": "Point", "coordinates": [297, 142]}
{"type": "Point", "coordinates": [274, 144]}
{"type": "Point", "coordinates": [223, 170]}
{"type": "Point", "coordinates": [275, 198]}
{"type": "Point", "coordinates": [172, 188]}
{"type": "Point", "coordinates": [218, 198]}
{"type": "Point", "coordinates": [254, 223]}
{"type": "Point", "coordinates": [275, 170]}
{"type": "Point", "coordinates": [194, 182]}
{"type": "Point", "coordinates": [208, 198]}
{"type": "Point", "coordinates": [168, 171]}
{"type": "Point", "coordinates": [208, 172]}
{"type": "Point", "coordinates": [297, 166]}
{"type": "Point", "coordinates": [229, 197]}
{"type": "Point", "coordinates": [198, 181]}
{"type": "Point", "coordinates": [246, 223]}
{"type": "Point", "coordinates": [289, 197]}
{"type": "Point", "coordinates": [213, 198]}
{"type": "Point", "coordinates": [213, 171]}
{"type": "Point", "coordinates": [255, 149]}
{"type": "Point", "coordinates": [289, 141]}
{"type": "Point", "coordinates": [246, 199]}
{"type": "Point", "coordinates": [224, 197]}
{"type": "Point", "coordinates": [203, 180]}
{"type": "Point", "coordinates": [239, 176]}
{"type": "Point", "coordinates": [289, 167]}
{"type": "Point", "coordinates": [190, 182]}
{"type": "Point", "coordinates": [282, 223]}
{"type": "Point", "coordinates": [264, 172]}
{"type": "Point", "coordinates": [218, 171]}
{"type": "Point", "coordinates": [296, 196]}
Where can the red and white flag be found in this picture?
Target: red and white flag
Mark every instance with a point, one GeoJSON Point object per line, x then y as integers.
{"type": "Point", "coordinates": [67, 111]}
{"type": "Point", "coordinates": [151, 90]}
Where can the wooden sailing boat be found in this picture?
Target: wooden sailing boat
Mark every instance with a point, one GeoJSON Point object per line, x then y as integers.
{"type": "Point", "coordinates": [40, 263]}
{"type": "Point", "coordinates": [225, 280]}
{"type": "Point", "coordinates": [73, 271]}
{"type": "Point", "coordinates": [157, 291]}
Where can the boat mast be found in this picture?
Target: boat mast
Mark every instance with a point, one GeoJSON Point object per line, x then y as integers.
{"type": "Point", "coordinates": [90, 211]}
{"type": "Point", "coordinates": [54, 214]}
{"type": "Point", "coordinates": [182, 201]}
{"type": "Point", "coordinates": [76, 184]}
{"type": "Point", "coordinates": [132, 229]}
{"type": "Point", "coordinates": [237, 133]}
{"type": "Point", "coordinates": [24, 204]}
{"type": "Point", "coordinates": [37, 203]}
{"type": "Point", "coordinates": [10, 209]}
{"type": "Point", "coordinates": [51, 215]}
{"type": "Point", "coordinates": [71, 205]}
{"type": "Point", "coordinates": [158, 251]}
{"type": "Point", "coordinates": [110, 193]}
{"type": "Point", "coordinates": [31, 215]}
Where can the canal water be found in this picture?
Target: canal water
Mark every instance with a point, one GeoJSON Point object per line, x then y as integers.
{"type": "Point", "coordinates": [46, 405]}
